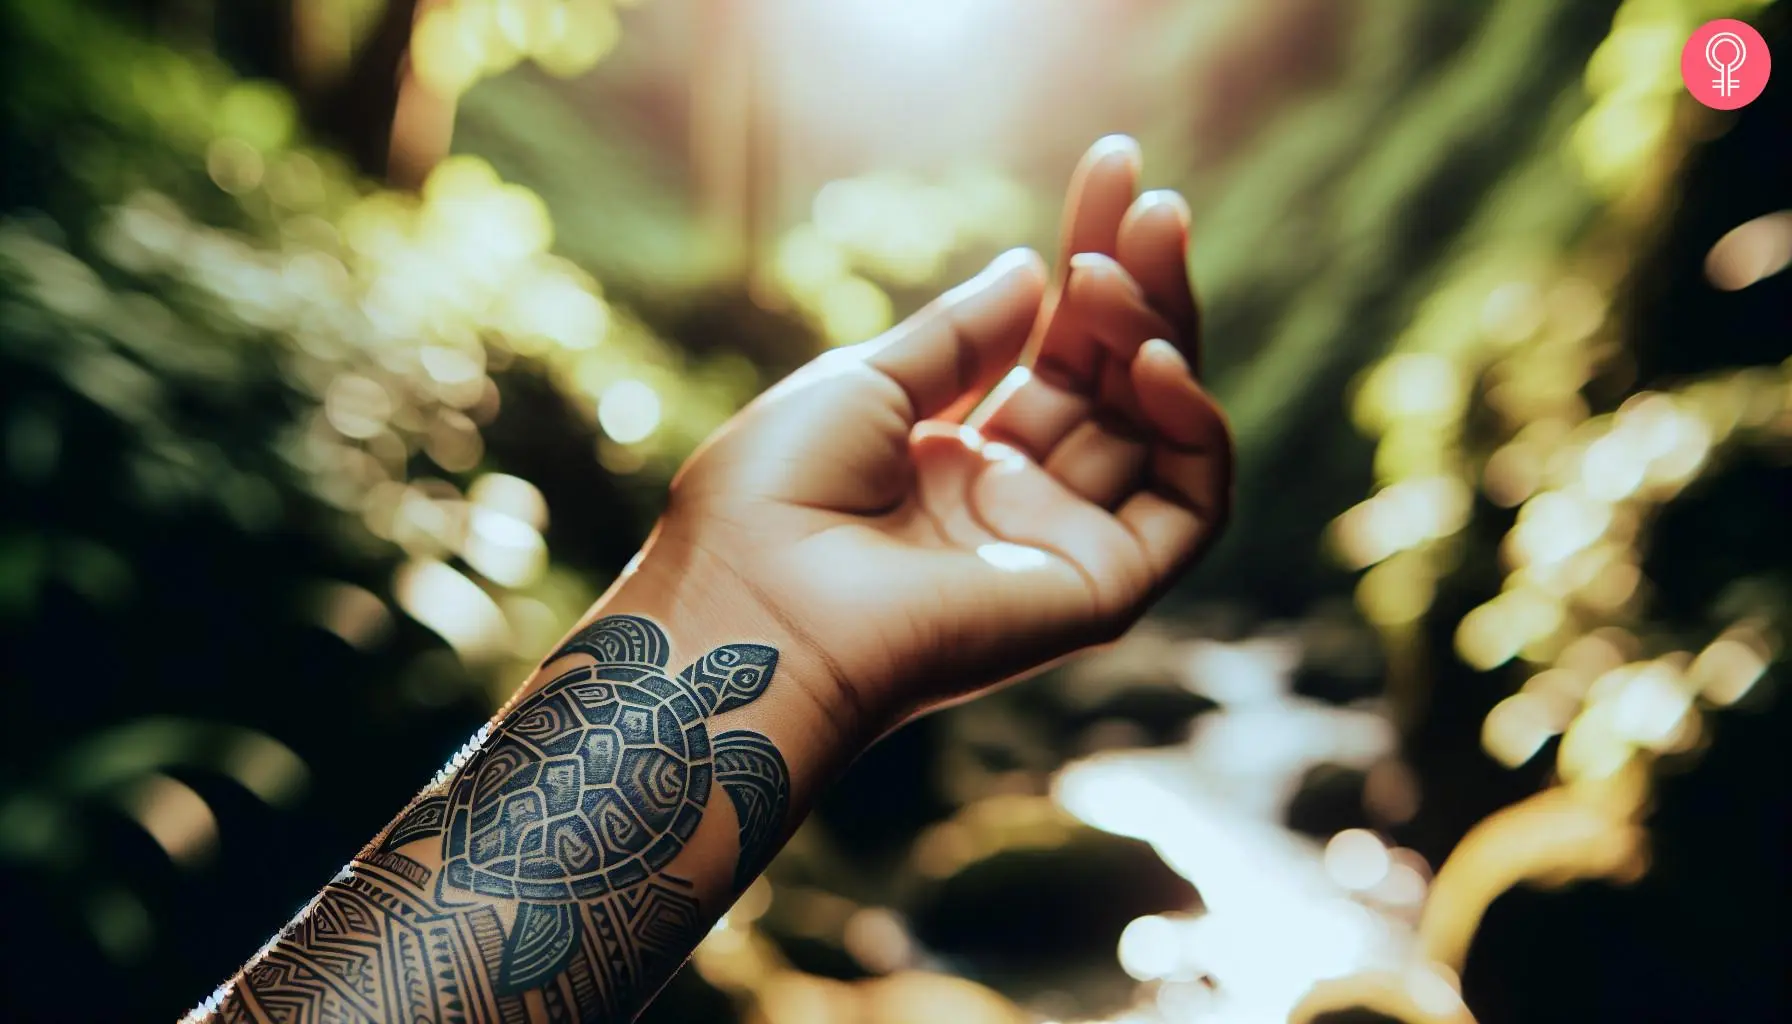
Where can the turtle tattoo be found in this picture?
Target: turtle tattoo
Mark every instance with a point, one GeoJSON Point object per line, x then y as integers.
{"type": "Point", "coordinates": [594, 783]}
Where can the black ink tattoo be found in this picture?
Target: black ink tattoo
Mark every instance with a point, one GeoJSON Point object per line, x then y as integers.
{"type": "Point", "coordinates": [568, 813]}
{"type": "Point", "coordinates": [753, 774]}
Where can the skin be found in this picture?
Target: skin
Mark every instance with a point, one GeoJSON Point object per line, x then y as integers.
{"type": "Point", "coordinates": [1012, 475]}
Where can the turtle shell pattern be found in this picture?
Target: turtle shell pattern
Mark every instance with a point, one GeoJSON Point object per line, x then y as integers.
{"type": "Point", "coordinates": [590, 785]}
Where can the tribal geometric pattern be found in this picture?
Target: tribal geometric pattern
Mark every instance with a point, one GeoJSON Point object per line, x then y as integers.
{"type": "Point", "coordinates": [754, 776]}
{"type": "Point", "coordinates": [552, 840]}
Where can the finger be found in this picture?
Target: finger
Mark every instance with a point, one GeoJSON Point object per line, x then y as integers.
{"type": "Point", "coordinates": [1187, 499]}
{"type": "Point", "coordinates": [1031, 414]}
{"type": "Point", "coordinates": [946, 457]}
{"type": "Point", "coordinates": [963, 341]}
{"type": "Point", "coordinates": [1036, 406]}
{"type": "Point", "coordinates": [1100, 461]}
{"type": "Point", "coordinates": [1115, 398]}
{"type": "Point", "coordinates": [1104, 300]}
{"type": "Point", "coordinates": [1101, 456]}
{"type": "Point", "coordinates": [1101, 190]}
{"type": "Point", "coordinates": [949, 462]}
{"type": "Point", "coordinates": [1014, 498]}
{"type": "Point", "coordinates": [1153, 247]}
{"type": "Point", "coordinates": [1177, 410]}
{"type": "Point", "coordinates": [1035, 413]}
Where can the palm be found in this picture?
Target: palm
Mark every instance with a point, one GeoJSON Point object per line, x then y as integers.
{"type": "Point", "coordinates": [1051, 513]}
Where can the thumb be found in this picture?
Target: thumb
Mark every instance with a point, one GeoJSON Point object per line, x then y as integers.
{"type": "Point", "coordinates": [960, 344]}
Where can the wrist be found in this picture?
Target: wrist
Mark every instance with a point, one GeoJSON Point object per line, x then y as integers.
{"type": "Point", "coordinates": [703, 601]}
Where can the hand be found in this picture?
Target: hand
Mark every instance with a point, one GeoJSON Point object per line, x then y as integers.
{"type": "Point", "coordinates": [856, 546]}
{"type": "Point", "coordinates": [926, 550]}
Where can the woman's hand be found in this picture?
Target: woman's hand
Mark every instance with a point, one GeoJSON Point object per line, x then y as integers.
{"type": "Point", "coordinates": [855, 547]}
{"type": "Point", "coordinates": [924, 549]}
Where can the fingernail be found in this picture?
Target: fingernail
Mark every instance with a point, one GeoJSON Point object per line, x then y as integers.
{"type": "Point", "coordinates": [1121, 146]}
{"type": "Point", "coordinates": [1089, 261]}
{"type": "Point", "coordinates": [1008, 262]}
{"type": "Point", "coordinates": [1005, 457]}
{"type": "Point", "coordinates": [1018, 256]}
{"type": "Point", "coordinates": [1158, 348]}
{"type": "Point", "coordinates": [1170, 198]}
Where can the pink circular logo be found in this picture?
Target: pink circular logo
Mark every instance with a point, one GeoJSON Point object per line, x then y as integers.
{"type": "Point", "coordinates": [1725, 64]}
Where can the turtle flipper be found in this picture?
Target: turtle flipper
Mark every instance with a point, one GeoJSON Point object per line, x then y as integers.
{"type": "Point", "coordinates": [424, 820]}
{"type": "Point", "coordinates": [619, 640]}
{"type": "Point", "coordinates": [732, 675]}
{"type": "Point", "coordinates": [757, 782]}
{"type": "Point", "coordinates": [541, 944]}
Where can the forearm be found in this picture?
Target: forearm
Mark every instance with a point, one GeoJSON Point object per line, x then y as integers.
{"type": "Point", "coordinates": [564, 866]}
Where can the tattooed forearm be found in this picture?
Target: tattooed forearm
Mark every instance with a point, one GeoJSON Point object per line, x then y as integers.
{"type": "Point", "coordinates": [530, 883]}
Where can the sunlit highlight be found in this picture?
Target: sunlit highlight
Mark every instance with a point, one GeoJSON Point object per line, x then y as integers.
{"type": "Point", "coordinates": [629, 411]}
{"type": "Point", "coordinates": [179, 819]}
{"type": "Point", "coordinates": [1751, 252]}
{"type": "Point", "coordinates": [454, 607]}
{"type": "Point", "coordinates": [1013, 557]}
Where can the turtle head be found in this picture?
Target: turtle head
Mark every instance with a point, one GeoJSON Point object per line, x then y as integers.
{"type": "Point", "coordinates": [731, 675]}
{"type": "Point", "coordinates": [618, 640]}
